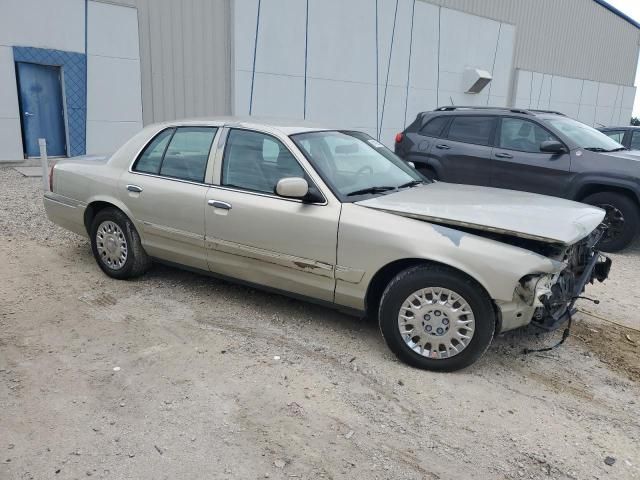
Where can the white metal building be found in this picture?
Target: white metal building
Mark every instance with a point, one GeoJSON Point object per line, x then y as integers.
{"type": "Point", "coordinates": [87, 74]}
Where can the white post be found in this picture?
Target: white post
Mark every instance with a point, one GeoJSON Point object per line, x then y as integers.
{"type": "Point", "coordinates": [44, 161]}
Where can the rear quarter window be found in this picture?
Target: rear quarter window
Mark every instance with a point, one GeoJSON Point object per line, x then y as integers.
{"type": "Point", "coordinates": [434, 127]}
{"type": "Point", "coordinates": [151, 158]}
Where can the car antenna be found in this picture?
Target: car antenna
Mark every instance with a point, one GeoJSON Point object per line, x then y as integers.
{"type": "Point", "coordinates": [603, 126]}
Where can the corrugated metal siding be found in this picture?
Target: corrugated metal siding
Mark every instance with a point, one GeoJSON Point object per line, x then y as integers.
{"type": "Point", "coordinates": [186, 47]}
{"type": "Point", "coordinates": [573, 38]}
{"type": "Point", "coordinates": [185, 57]}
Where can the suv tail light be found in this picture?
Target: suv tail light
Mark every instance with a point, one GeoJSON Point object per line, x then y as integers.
{"type": "Point", "coordinates": [399, 137]}
{"type": "Point", "coordinates": [51, 178]}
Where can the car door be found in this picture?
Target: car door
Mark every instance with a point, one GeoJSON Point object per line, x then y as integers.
{"type": "Point", "coordinates": [253, 234]}
{"type": "Point", "coordinates": [465, 151]}
{"type": "Point", "coordinates": [518, 163]}
{"type": "Point", "coordinates": [165, 191]}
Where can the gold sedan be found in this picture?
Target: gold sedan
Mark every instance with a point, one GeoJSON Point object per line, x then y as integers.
{"type": "Point", "coordinates": [335, 217]}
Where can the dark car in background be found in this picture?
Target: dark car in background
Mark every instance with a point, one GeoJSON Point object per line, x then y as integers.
{"type": "Point", "coordinates": [627, 136]}
{"type": "Point", "coordinates": [530, 150]}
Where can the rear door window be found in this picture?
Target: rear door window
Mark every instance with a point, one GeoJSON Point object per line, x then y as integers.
{"type": "Point", "coordinates": [472, 129]}
{"type": "Point", "coordinates": [187, 154]}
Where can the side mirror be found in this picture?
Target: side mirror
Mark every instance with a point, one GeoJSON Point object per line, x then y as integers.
{"type": "Point", "coordinates": [552, 146]}
{"type": "Point", "coordinates": [293, 187]}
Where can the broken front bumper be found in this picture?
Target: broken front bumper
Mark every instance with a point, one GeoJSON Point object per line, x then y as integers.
{"type": "Point", "coordinates": [533, 301]}
{"type": "Point", "coordinates": [597, 268]}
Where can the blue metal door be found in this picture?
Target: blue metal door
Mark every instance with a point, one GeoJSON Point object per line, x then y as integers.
{"type": "Point", "coordinates": [40, 92]}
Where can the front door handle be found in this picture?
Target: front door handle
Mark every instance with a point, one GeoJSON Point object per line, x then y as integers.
{"type": "Point", "coordinates": [504, 155]}
{"type": "Point", "coordinates": [134, 188]}
{"type": "Point", "coordinates": [28, 114]}
{"type": "Point", "coordinates": [442, 146]}
{"type": "Point", "coordinates": [219, 204]}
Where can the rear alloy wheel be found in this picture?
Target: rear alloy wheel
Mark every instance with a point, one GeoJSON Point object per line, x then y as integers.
{"type": "Point", "coordinates": [116, 245]}
{"type": "Point", "coordinates": [436, 318]}
{"type": "Point", "coordinates": [621, 219]}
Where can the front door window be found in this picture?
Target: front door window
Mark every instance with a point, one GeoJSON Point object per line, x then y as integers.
{"type": "Point", "coordinates": [256, 161]}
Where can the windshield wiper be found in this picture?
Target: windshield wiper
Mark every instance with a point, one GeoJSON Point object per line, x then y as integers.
{"type": "Point", "coordinates": [618, 149]}
{"type": "Point", "coordinates": [412, 183]}
{"type": "Point", "coordinates": [596, 149]}
{"type": "Point", "coordinates": [364, 191]}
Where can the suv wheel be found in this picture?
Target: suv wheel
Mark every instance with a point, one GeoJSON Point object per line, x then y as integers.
{"type": "Point", "coordinates": [621, 220]}
{"type": "Point", "coordinates": [435, 318]}
{"type": "Point", "coordinates": [116, 245]}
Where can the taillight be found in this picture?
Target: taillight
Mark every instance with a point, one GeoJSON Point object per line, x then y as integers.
{"type": "Point", "coordinates": [399, 137]}
{"type": "Point", "coordinates": [51, 178]}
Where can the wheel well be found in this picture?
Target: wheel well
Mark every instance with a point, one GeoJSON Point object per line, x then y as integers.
{"type": "Point", "coordinates": [383, 276]}
{"type": "Point", "coordinates": [590, 189]}
{"type": "Point", "coordinates": [92, 210]}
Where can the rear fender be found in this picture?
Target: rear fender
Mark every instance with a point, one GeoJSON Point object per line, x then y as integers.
{"type": "Point", "coordinates": [120, 206]}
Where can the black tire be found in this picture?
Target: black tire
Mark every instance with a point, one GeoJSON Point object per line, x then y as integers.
{"type": "Point", "coordinates": [427, 172]}
{"type": "Point", "coordinates": [620, 235]}
{"type": "Point", "coordinates": [416, 278]}
{"type": "Point", "coordinates": [137, 261]}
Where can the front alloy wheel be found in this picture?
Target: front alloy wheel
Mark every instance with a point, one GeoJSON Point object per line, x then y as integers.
{"type": "Point", "coordinates": [436, 318]}
{"type": "Point", "coordinates": [436, 322]}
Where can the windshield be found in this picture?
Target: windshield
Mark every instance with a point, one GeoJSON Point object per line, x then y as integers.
{"type": "Point", "coordinates": [585, 136]}
{"type": "Point", "coordinates": [354, 164]}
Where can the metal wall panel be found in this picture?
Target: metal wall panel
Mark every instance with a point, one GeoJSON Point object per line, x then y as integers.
{"type": "Point", "coordinates": [186, 47]}
{"type": "Point", "coordinates": [572, 38]}
{"type": "Point", "coordinates": [185, 57]}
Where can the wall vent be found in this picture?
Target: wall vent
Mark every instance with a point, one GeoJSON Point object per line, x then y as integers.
{"type": "Point", "coordinates": [476, 79]}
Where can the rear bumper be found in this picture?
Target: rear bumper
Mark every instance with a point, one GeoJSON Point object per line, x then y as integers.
{"type": "Point", "coordinates": [65, 212]}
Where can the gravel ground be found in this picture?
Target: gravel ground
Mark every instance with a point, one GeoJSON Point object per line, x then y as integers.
{"type": "Point", "coordinates": [177, 375]}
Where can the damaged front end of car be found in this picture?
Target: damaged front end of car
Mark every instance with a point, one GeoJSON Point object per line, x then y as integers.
{"type": "Point", "coordinates": [551, 298]}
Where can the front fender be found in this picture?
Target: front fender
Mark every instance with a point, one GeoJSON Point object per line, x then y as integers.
{"type": "Point", "coordinates": [585, 182]}
{"type": "Point", "coordinates": [369, 239]}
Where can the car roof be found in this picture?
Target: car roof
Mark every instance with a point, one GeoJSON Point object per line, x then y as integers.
{"type": "Point", "coordinates": [274, 125]}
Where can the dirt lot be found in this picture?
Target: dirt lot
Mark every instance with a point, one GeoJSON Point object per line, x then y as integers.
{"type": "Point", "coordinates": [176, 375]}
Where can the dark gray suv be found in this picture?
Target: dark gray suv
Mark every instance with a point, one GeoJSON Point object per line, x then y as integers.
{"type": "Point", "coordinates": [531, 150]}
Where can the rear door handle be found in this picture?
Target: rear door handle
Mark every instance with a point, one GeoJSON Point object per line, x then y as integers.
{"type": "Point", "coordinates": [442, 146]}
{"type": "Point", "coordinates": [504, 155]}
{"type": "Point", "coordinates": [134, 188]}
{"type": "Point", "coordinates": [219, 204]}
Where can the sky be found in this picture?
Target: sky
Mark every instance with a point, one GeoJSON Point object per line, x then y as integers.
{"type": "Point", "coordinates": [632, 9]}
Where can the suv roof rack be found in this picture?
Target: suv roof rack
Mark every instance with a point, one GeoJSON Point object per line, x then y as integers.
{"type": "Point", "coordinates": [450, 108]}
{"type": "Point", "coordinates": [547, 111]}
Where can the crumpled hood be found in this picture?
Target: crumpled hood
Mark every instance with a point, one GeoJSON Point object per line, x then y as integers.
{"type": "Point", "coordinates": [521, 214]}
